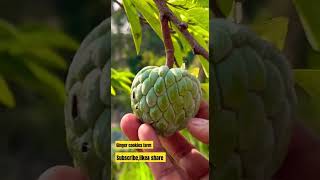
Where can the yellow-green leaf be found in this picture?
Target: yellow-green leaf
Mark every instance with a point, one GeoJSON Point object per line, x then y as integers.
{"type": "Point", "coordinates": [274, 30]}
{"type": "Point", "coordinates": [6, 96]}
{"type": "Point", "coordinates": [48, 79]}
{"type": "Point", "coordinates": [225, 6]}
{"type": "Point", "coordinates": [113, 91]}
{"type": "Point", "coordinates": [308, 11]}
{"type": "Point", "coordinates": [205, 90]}
{"type": "Point", "coordinates": [194, 71]}
{"type": "Point", "coordinates": [205, 65]}
{"type": "Point", "coordinates": [308, 79]}
{"type": "Point", "coordinates": [135, 26]}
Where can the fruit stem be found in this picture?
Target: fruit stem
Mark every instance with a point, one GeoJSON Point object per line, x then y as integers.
{"type": "Point", "coordinates": [167, 40]}
{"type": "Point", "coordinates": [183, 28]}
{"type": "Point", "coordinates": [238, 12]}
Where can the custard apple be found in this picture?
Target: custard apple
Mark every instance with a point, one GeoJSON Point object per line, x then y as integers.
{"type": "Point", "coordinates": [165, 98]}
{"type": "Point", "coordinates": [253, 102]}
{"type": "Point", "coordinates": [87, 108]}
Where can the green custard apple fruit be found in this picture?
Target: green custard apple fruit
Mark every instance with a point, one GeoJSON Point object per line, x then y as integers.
{"type": "Point", "coordinates": [165, 98]}
{"type": "Point", "coordinates": [253, 102]}
{"type": "Point", "coordinates": [87, 108]}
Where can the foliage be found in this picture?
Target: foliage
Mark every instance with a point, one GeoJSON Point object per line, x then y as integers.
{"type": "Point", "coordinates": [27, 56]}
{"type": "Point", "coordinates": [194, 13]}
{"type": "Point", "coordinates": [273, 30]}
{"type": "Point", "coordinates": [120, 81]}
{"type": "Point", "coordinates": [309, 18]}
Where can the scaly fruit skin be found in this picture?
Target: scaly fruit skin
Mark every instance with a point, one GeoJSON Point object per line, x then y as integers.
{"type": "Point", "coordinates": [87, 108]}
{"type": "Point", "coordinates": [253, 103]}
{"type": "Point", "coordinates": [165, 98]}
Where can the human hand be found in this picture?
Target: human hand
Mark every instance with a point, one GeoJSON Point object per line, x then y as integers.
{"type": "Point", "coordinates": [183, 152]}
{"type": "Point", "coordinates": [303, 157]}
{"type": "Point", "coordinates": [62, 173]}
{"type": "Point", "coordinates": [183, 161]}
{"type": "Point", "coordinates": [302, 161]}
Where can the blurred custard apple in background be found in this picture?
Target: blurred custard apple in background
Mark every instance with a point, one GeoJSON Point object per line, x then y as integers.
{"type": "Point", "coordinates": [87, 108]}
{"type": "Point", "coordinates": [165, 98]}
{"type": "Point", "coordinates": [254, 102]}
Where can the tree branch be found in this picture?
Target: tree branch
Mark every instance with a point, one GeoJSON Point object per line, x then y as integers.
{"type": "Point", "coordinates": [183, 28]}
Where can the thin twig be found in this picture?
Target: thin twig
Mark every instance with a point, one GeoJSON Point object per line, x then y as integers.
{"type": "Point", "coordinates": [183, 28]}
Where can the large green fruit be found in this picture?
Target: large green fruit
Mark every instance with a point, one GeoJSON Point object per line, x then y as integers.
{"type": "Point", "coordinates": [87, 109]}
{"type": "Point", "coordinates": [253, 104]}
{"type": "Point", "coordinates": [165, 98]}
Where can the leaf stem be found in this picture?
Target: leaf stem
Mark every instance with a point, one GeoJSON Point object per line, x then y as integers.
{"type": "Point", "coordinates": [183, 28]}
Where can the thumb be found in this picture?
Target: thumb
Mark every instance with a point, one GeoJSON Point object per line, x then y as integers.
{"type": "Point", "coordinates": [62, 173]}
{"type": "Point", "coordinates": [199, 128]}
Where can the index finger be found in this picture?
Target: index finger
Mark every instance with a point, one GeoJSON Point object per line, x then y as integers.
{"type": "Point", "coordinates": [187, 157]}
{"type": "Point", "coordinates": [203, 111]}
{"type": "Point", "coordinates": [161, 170]}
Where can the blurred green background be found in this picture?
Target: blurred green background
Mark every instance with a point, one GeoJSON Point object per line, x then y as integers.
{"type": "Point", "coordinates": [38, 39]}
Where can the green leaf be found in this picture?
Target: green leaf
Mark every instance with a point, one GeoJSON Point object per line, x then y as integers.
{"type": "Point", "coordinates": [188, 11]}
{"type": "Point", "coordinates": [188, 4]}
{"type": "Point", "coordinates": [197, 19]}
{"type": "Point", "coordinates": [120, 80]}
{"type": "Point", "coordinates": [205, 65]}
{"type": "Point", "coordinates": [309, 81]}
{"type": "Point", "coordinates": [133, 18]}
{"type": "Point", "coordinates": [194, 71]}
{"type": "Point", "coordinates": [18, 71]}
{"type": "Point", "coordinates": [7, 29]}
{"type": "Point", "coordinates": [48, 79]}
{"type": "Point", "coordinates": [200, 16]}
{"type": "Point", "coordinates": [125, 87]}
{"type": "Point", "coordinates": [146, 8]}
{"type": "Point", "coordinates": [202, 3]}
{"type": "Point", "coordinates": [6, 96]}
{"type": "Point", "coordinates": [150, 13]}
{"type": "Point", "coordinates": [312, 59]}
{"type": "Point", "coordinates": [308, 11]}
{"type": "Point", "coordinates": [205, 90]}
{"type": "Point", "coordinates": [274, 30]}
{"type": "Point", "coordinates": [43, 36]}
{"type": "Point", "coordinates": [225, 6]}
{"type": "Point", "coordinates": [179, 49]}
{"type": "Point", "coordinates": [113, 91]}
{"type": "Point", "coordinates": [308, 110]}
{"type": "Point", "coordinates": [48, 57]}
